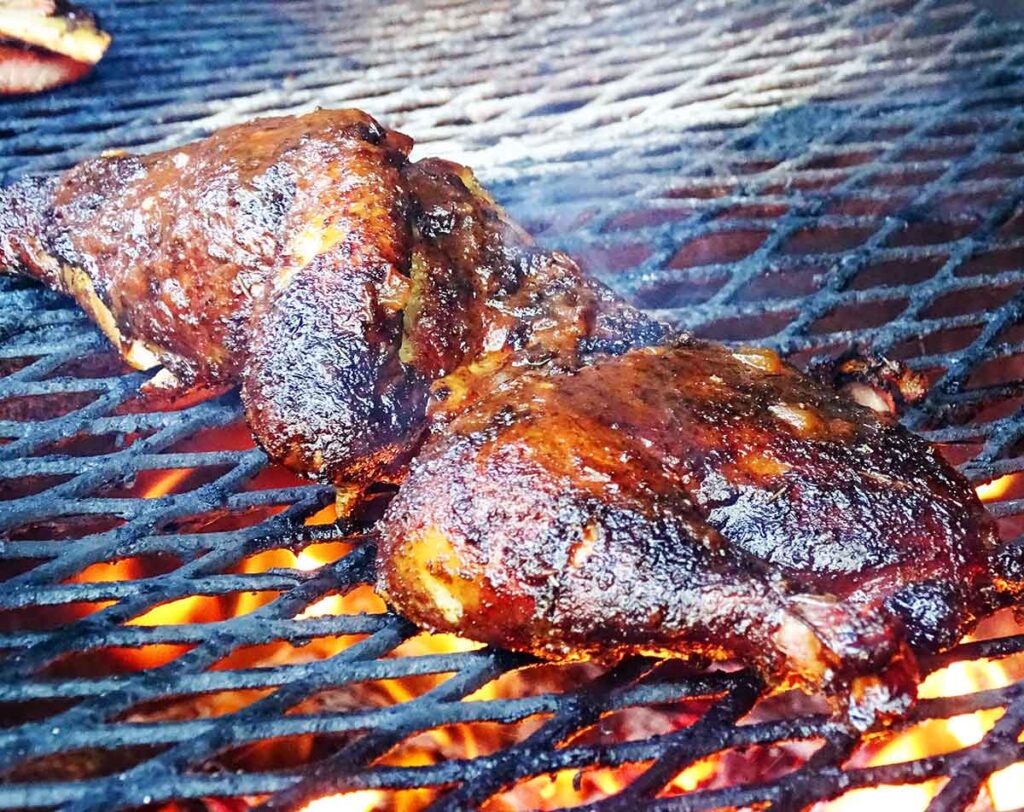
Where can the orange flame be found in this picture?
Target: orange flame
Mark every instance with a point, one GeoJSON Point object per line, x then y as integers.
{"type": "Point", "coordinates": [566, 788]}
{"type": "Point", "coordinates": [694, 776]}
{"type": "Point", "coordinates": [1004, 790]}
{"type": "Point", "coordinates": [362, 801]}
{"type": "Point", "coordinates": [167, 483]}
{"type": "Point", "coordinates": [993, 490]}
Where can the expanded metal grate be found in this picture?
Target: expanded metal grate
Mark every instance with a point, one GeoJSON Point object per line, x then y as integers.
{"type": "Point", "coordinates": [180, 622]}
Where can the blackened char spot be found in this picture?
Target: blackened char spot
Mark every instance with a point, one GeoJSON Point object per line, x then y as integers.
{"type": "Point", "coordinates": [931, 614]}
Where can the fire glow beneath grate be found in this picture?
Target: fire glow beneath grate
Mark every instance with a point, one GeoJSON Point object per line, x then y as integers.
{"type": "Point", "coordinates": [184, 626]}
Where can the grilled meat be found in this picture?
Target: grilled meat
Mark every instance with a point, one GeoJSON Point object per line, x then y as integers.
{"type": "Point", "coordinates": [585, 483]}
{"type": "Point", "coordinates": [688, 498]}
{"type": "Point", "coordinates": [873, 381]}
{"type": "Point", "coordinates": [185, 259]}
{"type": "Point", "coordinates": [308, 259]}
{"type": "Point", "coordinates": [46, 43]}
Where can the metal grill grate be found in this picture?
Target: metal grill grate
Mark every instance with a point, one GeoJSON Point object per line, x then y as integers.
{"type": "Point", "coordinates": [801, 175]}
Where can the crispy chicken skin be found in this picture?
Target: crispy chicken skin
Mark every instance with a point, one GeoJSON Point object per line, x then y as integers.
{"type": "Point", "coordinates": [688, 498]}
{"type": "Point", "coordinates": [201, 258]}
{"type": "Point", "coordinates": [575, 480]}
{"type": "Point", "coordinates": [308, 259]}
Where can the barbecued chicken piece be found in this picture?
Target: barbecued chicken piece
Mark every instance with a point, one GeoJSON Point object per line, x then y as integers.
{"type": "Point", "coordinates": [685, 499]}
{"type": "Point", "coordinates": [46, 43]}
{"type": "Point", "coordinates": [278, 240]}
{"type": "Point", "coordinates": [308, 259]}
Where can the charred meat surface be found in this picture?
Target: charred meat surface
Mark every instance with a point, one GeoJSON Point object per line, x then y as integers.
{"type": "Point", "coordinates": [309, 260]}
{"type": "Point", "coordinates": [46, 43]}
{"type": "Point", "coordinates": [273, 254]}
{"type": "Point", "coordinates": [686, 498]}
{"type": "Point", "coordinates": [575, 480]}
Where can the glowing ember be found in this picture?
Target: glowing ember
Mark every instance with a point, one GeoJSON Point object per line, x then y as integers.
{"type": "Point", "coordinates": [363, 801]}
{"type": "Point", "coordinates": [1004, 790]}
{"type": "Point", "coordinates": [991, 491]}
{"type": "Point", "coordinates": [563, 789]}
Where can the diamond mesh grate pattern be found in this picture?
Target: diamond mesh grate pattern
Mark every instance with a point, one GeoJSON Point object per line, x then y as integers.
{"type": "Point", "coordinates": [180, 621]}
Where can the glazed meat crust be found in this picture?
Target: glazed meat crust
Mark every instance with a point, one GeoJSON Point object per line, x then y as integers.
{"type": "Point", "coordinates": [689, 498]}
{"type": "Point", "coordinates": [308, 259]}
{"type": "Point", "coordinates": [202, 258]}
{"type": "Point", "coordinates": [180, 247]}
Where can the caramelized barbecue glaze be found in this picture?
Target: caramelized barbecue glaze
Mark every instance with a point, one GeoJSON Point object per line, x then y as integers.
{"type": "Point", "coordinates": [582, 482]}
{"type": "Point", "coordinates": [199, 257]}
{"type": "Point", "coordinates": [689, 498]}
{"type": "Point", "coordinates": [308, 259]}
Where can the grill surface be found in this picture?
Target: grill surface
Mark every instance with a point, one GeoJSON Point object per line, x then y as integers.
{"type": "Point", "coordinates": [800, 175]}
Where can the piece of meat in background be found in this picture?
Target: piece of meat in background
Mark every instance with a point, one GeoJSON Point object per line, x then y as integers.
{"type": "Point", "coordinates": [45, 44]}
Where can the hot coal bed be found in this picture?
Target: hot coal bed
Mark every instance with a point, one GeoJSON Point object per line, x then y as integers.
{"type": "Point", "coordinates": [185, 627]}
